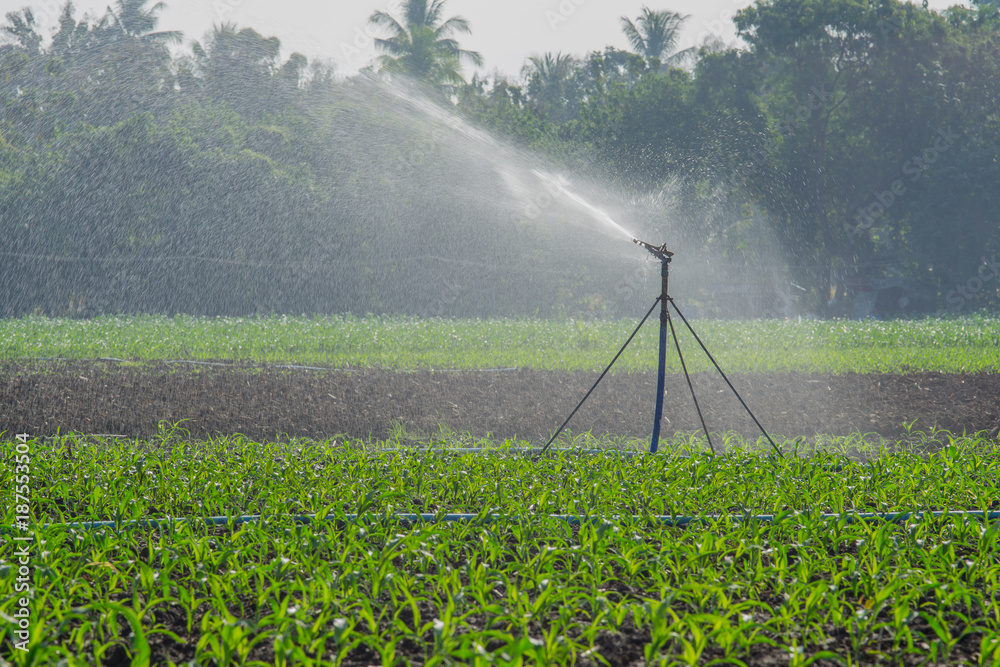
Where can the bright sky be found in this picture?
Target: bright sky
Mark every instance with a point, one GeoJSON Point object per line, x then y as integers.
{"type": "Point", "coordinates": [505, 33]}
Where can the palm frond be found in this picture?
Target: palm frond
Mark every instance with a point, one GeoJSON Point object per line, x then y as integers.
{"type": "Point", "coordinates": [679, 58]}
{"type": "Point", "coordinates": [167, 36]}
{"type": "Point", "coordinates": [384, 20]}
{"type": "Point", "coordinates": [473, 57]}
{"type": "Point", "coordinates": [434, 12]}
{"type": "Point", "coordinates": [654, 33]}
{"type": "Point", "coordinates": [392, 46]}
{"type": "Point", "coordinates": [421, 45]}
{"type": "Point", "coordinates": [632, 34]}
{"type": "Point", "coordinates": [453, 25]}
{"type": "Point", "coordinates": [416, 12]}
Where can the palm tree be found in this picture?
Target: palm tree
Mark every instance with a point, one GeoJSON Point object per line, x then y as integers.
{"type": "Point", "coordinates": [136, 20]}
{"type": "Point", "coordinates": [23, 28]}
{"type": "Point", "coordinates": [548, 78]}
{"type": "Point", "coordinates": [654, 35]}
{"type": "Point", "coordinates": [550, 67]}
{"type": "Point", "coordinates": [237, 66]}
{"type": "Point", "coordinates": [421, 44]}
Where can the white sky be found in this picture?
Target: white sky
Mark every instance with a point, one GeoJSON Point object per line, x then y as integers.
{"type": "Point", "coordinates": [505, 33]}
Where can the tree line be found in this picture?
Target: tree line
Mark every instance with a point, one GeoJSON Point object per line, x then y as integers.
{"type": "Point", "coordinates": [863, 134]}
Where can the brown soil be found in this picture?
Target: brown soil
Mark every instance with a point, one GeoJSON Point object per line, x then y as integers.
{"type": "Point", "coordinates": [264, 402]}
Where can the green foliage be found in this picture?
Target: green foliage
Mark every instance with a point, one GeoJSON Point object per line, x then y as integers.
{"type": "Point", "coordinates": [654, 34]}
{"type": "Point", "coordinates": [644, 130]}
{"type": "Point", "coordinates": [961, 345]}
{"type": "Point", "coordinates": [126, 227]}
{"type": "Point", "coordinates": [421, 44]}
{"type": "Point", "coordinates": [134, 181]}
{"type": "Point", "coordinates": [514, 585]}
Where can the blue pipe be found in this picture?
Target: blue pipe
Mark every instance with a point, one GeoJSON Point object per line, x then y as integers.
{"type": "Point", "coordinates": [528, 451]}
{"type": "Point", "coordinates": [573, 519]}
{"type": "Point", "coordinates": [658, 413]}
{"type": "Point", "coordinates": [654, 442]}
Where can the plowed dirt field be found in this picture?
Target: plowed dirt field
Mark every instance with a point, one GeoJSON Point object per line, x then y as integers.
{"type": "Point", "coordinates": [263, 402]}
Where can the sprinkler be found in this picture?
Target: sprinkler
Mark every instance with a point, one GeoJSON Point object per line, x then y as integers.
{"type": "Point", "coordinates": [667, 302]}
{"type": "Point", "coordinates": [660, 252]}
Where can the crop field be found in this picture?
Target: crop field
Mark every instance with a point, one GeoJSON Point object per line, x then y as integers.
{"type": "Point", "coordinates": [358, 582]}
{"type": "Point", "coordinates": [957, 345]}
{"type": "Point", "coordinates": [349, 525]}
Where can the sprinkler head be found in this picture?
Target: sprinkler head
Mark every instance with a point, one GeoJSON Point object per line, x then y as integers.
{"type": "Point", "coordinates": [659, 252]}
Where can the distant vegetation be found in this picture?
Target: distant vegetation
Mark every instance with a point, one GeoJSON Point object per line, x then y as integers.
{"type": "Point", "coordinates": [230, 181]}
{"type": "Point", "coordinates": [961, 345]}
{"type": "Point", "coordinates": [514, 585]}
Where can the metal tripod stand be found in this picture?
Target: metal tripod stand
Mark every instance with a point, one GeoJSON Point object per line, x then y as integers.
{"type": "Point", "coordinates": [666, 321]}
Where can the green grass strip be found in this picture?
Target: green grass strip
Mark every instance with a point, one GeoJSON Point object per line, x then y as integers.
{"type": "Point", "coordinates": [957, 345]}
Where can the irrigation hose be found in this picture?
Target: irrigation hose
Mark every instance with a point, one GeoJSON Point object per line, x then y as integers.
{"type": "Point", "coordinates": [572, 519]}
{"type": "Point", "coordinates": [526, 451]}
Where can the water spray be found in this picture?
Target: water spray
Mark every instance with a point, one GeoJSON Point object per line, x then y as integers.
{"type": "Point", "coordinates": [559, 185]}
{"type": "Point", "coordinates": [666, 302]}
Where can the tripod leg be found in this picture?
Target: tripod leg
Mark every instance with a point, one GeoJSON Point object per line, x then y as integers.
{"type": "Point", "coordinates": [687, 376]}
{"type": "Point", "coordinates": [719, 368]}
{"type": "Point", "coordinates": [559, 430]}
